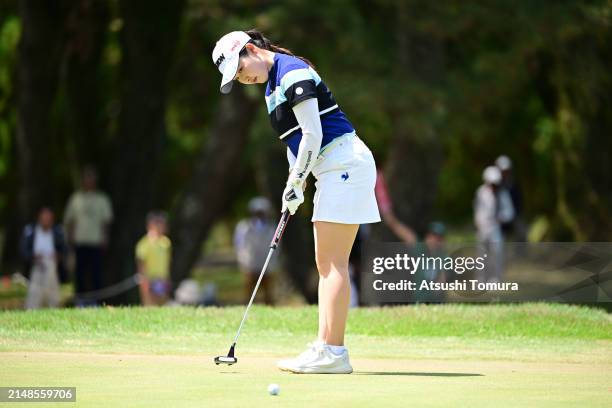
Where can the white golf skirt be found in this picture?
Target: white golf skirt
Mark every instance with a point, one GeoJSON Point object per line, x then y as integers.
{"type": "Point", "coordinates": [346, 176]}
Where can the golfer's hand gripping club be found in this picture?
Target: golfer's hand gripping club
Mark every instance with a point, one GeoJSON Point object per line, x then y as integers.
{"type": "Point", "coordinates": [293, 196]}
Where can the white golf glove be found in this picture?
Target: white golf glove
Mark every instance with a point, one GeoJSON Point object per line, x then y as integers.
{"type": "Point", "coordinates": [293, 196]}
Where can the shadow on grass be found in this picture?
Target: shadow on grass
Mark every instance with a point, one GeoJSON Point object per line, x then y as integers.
{"type": "Point", "coordinates": [417, 374]}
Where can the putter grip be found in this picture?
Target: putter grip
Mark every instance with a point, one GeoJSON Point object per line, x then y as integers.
{"type": "Point", "coordinates": [280, 229]}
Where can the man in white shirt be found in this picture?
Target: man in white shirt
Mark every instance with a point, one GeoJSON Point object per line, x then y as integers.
{"type": "Point", "coordinates": [251, 242]}
{"type": "Point", "coordinates": [43, 248]}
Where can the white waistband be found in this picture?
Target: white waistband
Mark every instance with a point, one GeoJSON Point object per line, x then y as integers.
{"type": "Point", "coordinates": [323, 112]}
{"type": "Point", "coordinates": [334, 143]}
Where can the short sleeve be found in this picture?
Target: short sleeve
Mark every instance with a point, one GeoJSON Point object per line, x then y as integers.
{"type": "Point", "coordinates": [301, 91]}
{"type": "Point", "coordinates": [69, 213]}
{"type": "Point", "coordinates": [299, 85]}
{"type": "Point", "coordinates": [141, 250]}
{"type": "Point", "coordinates": [240, 234]}
{"type": "Point", "coordinates": [107, 209]}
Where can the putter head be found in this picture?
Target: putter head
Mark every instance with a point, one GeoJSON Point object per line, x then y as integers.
{"type": "Point", "coordinates": [225, 360]}
{"type": "Point", "coordinates": [229, 359]}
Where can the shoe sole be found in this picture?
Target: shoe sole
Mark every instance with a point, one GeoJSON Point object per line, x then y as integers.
{"type": "Point", "coordinates": [313, 371]}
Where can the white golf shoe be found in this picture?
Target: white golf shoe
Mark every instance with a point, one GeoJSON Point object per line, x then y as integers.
{"type": "Point", "coordinates": [318, 359]}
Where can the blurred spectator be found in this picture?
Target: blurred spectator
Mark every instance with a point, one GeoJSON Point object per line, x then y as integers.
{"type": "Point", "coordinates": [188, 293]}
{"type": "Point", "coordinates": [385, 205]}
{"type": "Point", "coordinates": [252, 243]}
{"type": "Point", "coordinates": [43, 249]}
{"type": "Point", "coordinates": [488, 225]}
{"type": "Point", "coordinates": [153, 254]}
{"type": "Point", "coordinates": [512, 225]}
{"type": "Point", "coordinates": [432, 247]}
{"type": "Point", "coordinates": [87, 219]}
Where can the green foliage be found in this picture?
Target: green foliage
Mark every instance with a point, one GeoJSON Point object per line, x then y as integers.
{"type": "Point", "coordinates": [10, 29]}
{"type": "Point", "coordinates": [528, 79]}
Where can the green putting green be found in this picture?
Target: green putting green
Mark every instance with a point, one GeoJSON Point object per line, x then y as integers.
{"type": "Point", "coordinates": [448, 355]}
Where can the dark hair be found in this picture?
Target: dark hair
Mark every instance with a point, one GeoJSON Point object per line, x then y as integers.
{"type": "Point", "coordinates": [89, 170]}
{"type": "Point", "coordinates": [261, 41]}
{"type": "Point", "coordinates": [157, 217]}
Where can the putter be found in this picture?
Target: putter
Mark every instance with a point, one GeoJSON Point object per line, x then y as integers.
{"type": "Point", "coordinates": [230, 358]}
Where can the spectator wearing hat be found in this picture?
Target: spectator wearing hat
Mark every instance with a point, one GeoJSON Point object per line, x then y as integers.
{"type": "Point", "coordinates": [488, 225]}
{"type": "Point", "coordinates": [252, 243]}
{"type": "Point", "coordinates": [432, 245]}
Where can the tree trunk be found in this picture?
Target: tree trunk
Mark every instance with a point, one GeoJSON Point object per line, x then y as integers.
{"type": "Point", "coordinates": [87, 27]}
{"type": "Point", "coordinates": [214, 182]}
{"type": "Point", "coordinates": [149, 37]}
{"type": "Point", "coordinates": [40, 52]}
{"type": "Point", "coordinates": [414, 161]}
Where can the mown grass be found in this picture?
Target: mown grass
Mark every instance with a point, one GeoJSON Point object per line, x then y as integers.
{"type": "Point", "coordinates": [516, 355]}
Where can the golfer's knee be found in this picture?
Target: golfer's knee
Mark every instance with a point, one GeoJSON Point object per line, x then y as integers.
{"type": "Point", "coordinates": [330, 264]}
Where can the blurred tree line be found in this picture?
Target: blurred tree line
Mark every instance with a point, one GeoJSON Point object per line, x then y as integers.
{"type": "Point", "coordinates": [437, 90]}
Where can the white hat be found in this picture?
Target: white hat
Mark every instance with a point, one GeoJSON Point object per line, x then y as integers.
{"type": "Point", "coordinates": [503, 162]}
{"type": "Point", "coordinates": [491, 175]}
{"type": "Point", "coordinates": [188, 292]}
{"type": "Point", "coordinates": [226, 55]}
{"type": "Point", "coordinates": [259, 204]}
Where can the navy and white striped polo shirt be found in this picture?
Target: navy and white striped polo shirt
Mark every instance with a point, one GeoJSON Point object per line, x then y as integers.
{"type": "Point", "coordinates": [291, 81]}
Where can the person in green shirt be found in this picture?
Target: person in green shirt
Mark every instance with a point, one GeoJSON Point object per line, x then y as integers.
{"type": "Point", "coordinates": [153, 254]}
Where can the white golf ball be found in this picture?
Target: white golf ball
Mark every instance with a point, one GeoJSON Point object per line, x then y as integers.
{"type": "Point", "coordinates": [273, 389]}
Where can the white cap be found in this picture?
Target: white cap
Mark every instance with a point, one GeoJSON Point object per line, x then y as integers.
{"type": "Point", "coordinates": [259, 204]}
{"type": "Point", "coordinates": [226, 55]}
{"type": "Point", "coordinates": [503, 162]}
{"type": "Point", "coordinates": [491, 175]}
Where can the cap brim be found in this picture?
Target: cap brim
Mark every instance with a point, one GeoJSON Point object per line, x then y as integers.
{"type": "Point", "coordinates": [231, 66]}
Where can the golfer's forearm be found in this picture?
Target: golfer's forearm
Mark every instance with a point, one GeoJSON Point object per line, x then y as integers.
{"type": "Point", "coordinates": [290, 159]}
{"type": "Point", "coordinates": [307, 115]}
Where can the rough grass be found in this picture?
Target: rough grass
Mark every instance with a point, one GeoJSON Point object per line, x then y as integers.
{"type": "Point", "coordinates": [500, 331]}
{"type": "Point", "coordinates": [535, 320]}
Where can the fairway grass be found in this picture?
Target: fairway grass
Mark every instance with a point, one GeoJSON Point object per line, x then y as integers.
{"type": "Point", "coordinates": [444, 355]}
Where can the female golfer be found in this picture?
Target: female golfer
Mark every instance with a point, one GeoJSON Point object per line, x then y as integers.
{"type": "Point", "coordinates": [320, 139]}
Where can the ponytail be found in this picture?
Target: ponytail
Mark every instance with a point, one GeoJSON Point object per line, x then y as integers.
{"type": "Point", "coordinates": [259, 40]}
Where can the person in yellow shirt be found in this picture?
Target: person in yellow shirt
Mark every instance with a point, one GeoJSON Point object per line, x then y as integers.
{"type": "Point", "coordinates": [153, 254]}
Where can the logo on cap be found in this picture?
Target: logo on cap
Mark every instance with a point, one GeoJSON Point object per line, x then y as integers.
{"type": "Point", "coordinates": [220, 60]}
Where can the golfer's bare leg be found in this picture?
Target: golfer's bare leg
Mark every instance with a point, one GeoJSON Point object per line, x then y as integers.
{"type": "Point", "coordinates": [322, 320]}
{"type": "Point", "coordinates": [333, 243]}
